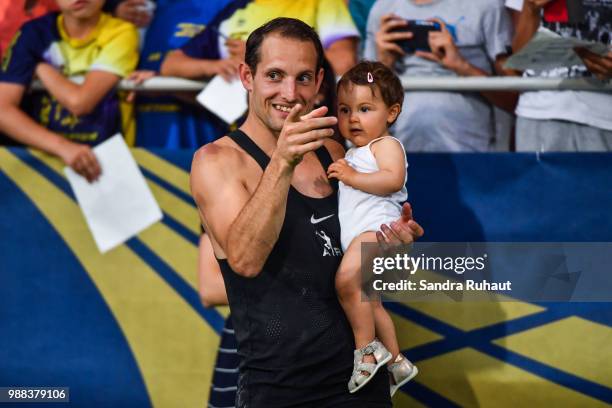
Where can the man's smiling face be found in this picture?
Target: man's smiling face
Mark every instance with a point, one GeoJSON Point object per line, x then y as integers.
{"type": "Point", "coordinates": [286, 75]}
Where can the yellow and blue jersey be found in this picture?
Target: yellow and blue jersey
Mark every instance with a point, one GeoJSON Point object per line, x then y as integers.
{"type": "Point", "coordinates": [330, 18]}
{"type": "Point", "coordinates": [111, 47]}
{"type": "Point", "coordinates": [164, 121]}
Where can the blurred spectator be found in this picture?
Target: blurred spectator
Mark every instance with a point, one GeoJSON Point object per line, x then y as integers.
{"type": "Point", "coordinates": [566, 120]}
{"type": "Point", "coordinates": [14, 13]}
{"type": "Point", "coordinates": [167, 121]}
{"type": "Point", "coordinates": [473, 41]}
{"type": "Point", "coordinates": [360, 10]}
{"type": "Point", "coordinates": [137, 12]}
{"type": "Point", "coordinates": [220, 47]}
{"type": "Point", "coordinates": [79, 40]}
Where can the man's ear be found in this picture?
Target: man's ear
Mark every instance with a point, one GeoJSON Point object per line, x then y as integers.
{"type": "Point", "coordinates": [394, 112]}
{"type": "Point", "coordinates": [246, 76]}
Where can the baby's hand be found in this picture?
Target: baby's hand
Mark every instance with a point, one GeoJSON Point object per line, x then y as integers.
{"type": "Point", "coordinates": [342, 171]}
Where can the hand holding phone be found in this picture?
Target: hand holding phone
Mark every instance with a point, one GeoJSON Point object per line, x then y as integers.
{"type": "Point", "coordinates": [420, 30]}
{"type": "Point", "coordinates": [444, 51]}
{"type": "Point", "coordinates": [387, 48]}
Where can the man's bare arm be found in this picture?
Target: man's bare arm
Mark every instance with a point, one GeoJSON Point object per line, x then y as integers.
{"type": "Point", "coordinates": [247, 226]}
{"type": "Point", "coordinates": [20, 127]}
{"type": "Point", "coordinates": [262, 218]}
{"type": "Point", "coordinates": [79, 99]}
{"type": "Point", "coordinates": [210, 281]}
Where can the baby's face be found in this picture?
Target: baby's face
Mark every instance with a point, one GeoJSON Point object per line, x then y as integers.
{"type": "Point", "coordinates": [362, 114]}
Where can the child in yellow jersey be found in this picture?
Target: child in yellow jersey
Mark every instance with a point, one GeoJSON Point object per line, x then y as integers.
{"type": "Point", "coordinates": [65, 120]}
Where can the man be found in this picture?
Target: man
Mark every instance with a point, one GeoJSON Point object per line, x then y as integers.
{"type": "Point", "coordinates": [473, 41]}
{"type": "Point", "coordinates": [68, 118]}
{"type": "Point", "coordinates": [549, 121]}
{"type": "Point", "coordinates": [263, 196]}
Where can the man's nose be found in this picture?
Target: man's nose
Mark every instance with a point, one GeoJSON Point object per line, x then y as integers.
{"type": "Point", "coordinates": [289, 89]}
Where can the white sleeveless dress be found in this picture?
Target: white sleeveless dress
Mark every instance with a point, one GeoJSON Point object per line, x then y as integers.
{"type": "Point", "coordinates": [359, 211]}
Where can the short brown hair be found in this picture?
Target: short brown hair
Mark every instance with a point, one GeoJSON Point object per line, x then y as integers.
{"type": "Point", "coordinates": [285, 27]}
{"type": "Point", "coordinates": [388, 84]}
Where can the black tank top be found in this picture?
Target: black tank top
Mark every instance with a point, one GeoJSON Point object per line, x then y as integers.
{"type": "Point", "coordinates": [294, 341]}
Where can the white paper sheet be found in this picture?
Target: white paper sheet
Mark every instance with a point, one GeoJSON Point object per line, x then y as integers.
{"type": "Point", "coordinates": [548, 50]}
{"type": "Point", "coordinates": [119, 204]}
{"type": "Point", "coordinates": [226, 100]}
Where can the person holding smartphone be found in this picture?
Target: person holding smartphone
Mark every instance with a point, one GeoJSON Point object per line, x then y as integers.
{"type": "Point", "coordinates": [461, 41]}
{"type": "Point", "coordinates": [553, 121]}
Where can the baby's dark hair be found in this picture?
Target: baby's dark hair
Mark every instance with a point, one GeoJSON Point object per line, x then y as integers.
{"type": "Point", "coordinates": [376, 75]}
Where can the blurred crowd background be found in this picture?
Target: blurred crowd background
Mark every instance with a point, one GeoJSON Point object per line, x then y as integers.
{"type": "Point", "coordinates": [106, 41]}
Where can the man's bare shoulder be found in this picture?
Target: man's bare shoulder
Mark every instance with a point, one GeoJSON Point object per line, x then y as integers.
{"type": "Point", "coordinates": [217, 162]}
{"type": "Point", "coordinates": [336, 150]}
{"type": "Point", "coordinates": [217, 156]}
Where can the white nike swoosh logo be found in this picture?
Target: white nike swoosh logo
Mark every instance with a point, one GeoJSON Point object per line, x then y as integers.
{"type": "Point", "coordinates": [314, 220]}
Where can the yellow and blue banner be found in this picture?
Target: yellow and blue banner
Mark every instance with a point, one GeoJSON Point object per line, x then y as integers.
{"type": "Point", "coordinates": [127, 328]}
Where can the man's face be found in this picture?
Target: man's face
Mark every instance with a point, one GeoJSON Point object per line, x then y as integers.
{"type": "Point", "coordinates": [286, 75]}
{"type": "Point", "coordinates": [80, 9]}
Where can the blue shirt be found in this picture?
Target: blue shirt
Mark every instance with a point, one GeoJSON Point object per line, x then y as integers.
{"type": "Point", "coordinates": [163, 121]}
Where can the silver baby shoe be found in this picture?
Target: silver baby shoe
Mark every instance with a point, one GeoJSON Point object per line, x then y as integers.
{"type": "Point", "coordinates": [358, 378]}
{"type": "Point", "coordinates": [400, 372]}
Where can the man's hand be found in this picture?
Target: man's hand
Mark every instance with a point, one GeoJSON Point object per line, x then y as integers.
{"type": "Point", "coordinates": [443, 50]}
{"type": "Point", "coordinates": [81, 159]}
{"type": "Point", "coordinates": [301, 135]}
{"type": "Point", "coordinates": [135, 11]}
{"type": "Point", "coordinates": [387, 49]}
{"type": "Point", "coordinates": [342, 171]}
{"type": "Point", "coordinates": [236, 49]}
{"type": "Point", "coordinates": [405, 230]}
{"type": "Point", "coordinates": [600, 65]}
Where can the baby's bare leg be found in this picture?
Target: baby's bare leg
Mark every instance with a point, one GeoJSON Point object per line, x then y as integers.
{"type": "Point", "coordinates": [385, 329]}
{"type": "Point", "coordinates": [348, 287]}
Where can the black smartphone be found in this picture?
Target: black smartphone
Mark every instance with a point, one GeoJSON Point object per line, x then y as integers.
{"type": "Point", "coordinates": [420, 35]}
